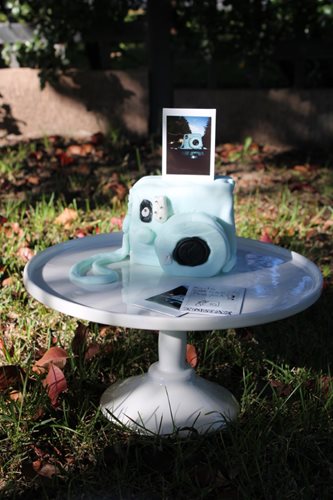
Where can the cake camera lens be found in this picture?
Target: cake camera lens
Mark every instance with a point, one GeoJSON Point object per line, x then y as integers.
{"type": "Point", "coordinates": [191, 251]}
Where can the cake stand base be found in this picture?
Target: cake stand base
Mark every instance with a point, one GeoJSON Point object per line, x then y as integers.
{"type": "Point", "coordinates": [170, 397]}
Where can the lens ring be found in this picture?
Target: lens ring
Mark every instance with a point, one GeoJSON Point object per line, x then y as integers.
{"type": "Point", "coordinates": [204, 227]}
{"type": "Point", "coordinates": [192, 251]}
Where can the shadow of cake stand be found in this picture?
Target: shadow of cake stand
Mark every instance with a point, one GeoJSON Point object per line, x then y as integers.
{"type": "Point", "coordinates": [170, 396]}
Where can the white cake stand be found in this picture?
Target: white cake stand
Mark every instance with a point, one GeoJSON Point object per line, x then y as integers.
{"type": "Point", "coordinates": [170, 396]}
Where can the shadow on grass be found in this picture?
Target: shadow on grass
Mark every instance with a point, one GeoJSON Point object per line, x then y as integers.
{"type": "Point", "coordinates": [304, 340]}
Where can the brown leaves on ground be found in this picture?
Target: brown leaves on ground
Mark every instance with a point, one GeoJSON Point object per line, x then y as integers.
{"type": "Point", "coordinates": [11, 381]}
{"type": "Point", "coordinates": [45, 469]}
{"type": "Point", "coordinates": [82, 346]}
{"type": "Point", "coordinates": [55, 383]}
{"type": "Point", "coordinates": [283, 389]}
{"type": "Point", "coordinates": [49, 367]}
{"type": "Point", "coordinates": [11, 377]}
{"type": "Point", "coordinates": [322, 385]}
{"type": "Point", "coordinates": [55, 355]}
{"type": "Point", "coordinates": [191, 355]}
{"type": "Point", "coordinates": [47, 461]}
{"type": "Point", "coordinates": [115, 186]}
{"type": "Point", "coordinates": [52, 363]}
{"type": "Point", "coordinates": [51, 165]}
{"type": "Point", "coordinates": [66, 217]}
{"type": "Point", "coordinates": [25, 253]}
{"type": "Point", "coordinates": [13, 230]}
{"type": "Point", "coordinates": [117, 222]}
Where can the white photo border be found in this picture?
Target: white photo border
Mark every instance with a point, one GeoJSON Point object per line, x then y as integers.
{"type": "Point", "coordinates": [210, 113]}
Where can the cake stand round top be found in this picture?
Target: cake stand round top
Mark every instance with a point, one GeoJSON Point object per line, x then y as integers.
{"type": "Point", "coordinates": [278, 283]}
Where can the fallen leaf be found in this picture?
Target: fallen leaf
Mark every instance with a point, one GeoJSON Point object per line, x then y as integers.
{"type": "Point", "coordinates": [265, 237]}
{"type": "Point", "coordinates": [47, 470]}
{"type": "Point", "coordinates": [67, 216]}
{"type": "Point", "coordinates": [281, 388]}
{"type": "Point", "coordinates": [191, 355]}
{"type": "Point", "coordinates": [326, 284]}
{"type": "Point", "coordinates": [87, 149]}
{"type": "Point", "coordinates": [57, 451]}
{"type": "Point", "coordinates": [291, 231]}
{"type": "Point", "coordinates": [25, 253]}
{"type": "Point", "coordinates": [302, 186]}
{"type": "Point", "coordinates": [80, 149]}
{"type": "Point", "coordinates": [326, 385]}
{"type": "Point", "coordinates": [8, 281]}
{"type": "Point", "coordinates": [55, 383]}
{"type": "Point", "coordinates": [3, 220]}
{"type": "Point", "coordinates": [118, 188]}
{"type": "Point", "coordinates": [103, 330]}
{"type": "Point", "coordinates": [304, 169]}
{"type": "Point", "coordinates": [40, 452]}
{"type": "Point", "coordinates": [92, 350]}
{"type": "Point", "coordinates": [82, 169]}
{"type": "Point", "coordinates": [36, 465]}
{"type": "Point", "coordinates": [70, 460]}
{"type": "Point", "coordinates": [53, 139]}
{"type": "Point", "coordinates": [328, 224]}
{"type": "Point", "coordinates": [64, 159]}
{"type": "Point", "coordinates": [10, 377]}
{"type": "Point", "coordinates": [73, 149]}
{"type": "Point", "coordinates": [13, 229]}
{"type": "Point", "coordinates": [33, 179]}
{"type": "Point", "coordinates": [16, 395]}
{"type": "Point", "coordinates": [36, 155]}
{"type": "Point", "coordinates": [80, 233]}
{"type": "Point", "coordinates": [54, 355]}
{"type": "Point", "coordinates": [116, 223]}
{"type": "Point", "coordinates": [40, 412]}
{"type": "Point", "coordinates": [79, 341]}
{"type": "Point", "coordinates": [311, 233]}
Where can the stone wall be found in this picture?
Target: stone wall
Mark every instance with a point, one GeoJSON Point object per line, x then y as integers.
{"type": "Point", "coordinates": [87, 102]}
{"type": "Point", "coordinates": [81, 104]}
{"type": "Point", "coordinates": [283, 117]}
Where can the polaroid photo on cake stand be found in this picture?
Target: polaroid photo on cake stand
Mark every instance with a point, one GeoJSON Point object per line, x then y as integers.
{"type": "Point", "coordinates": [188, 143]}
{"type": "Point", "coordinates": [167, 302]}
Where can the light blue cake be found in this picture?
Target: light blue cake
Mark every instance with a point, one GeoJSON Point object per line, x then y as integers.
{"type": "Point", "coordinates": [185, 227]}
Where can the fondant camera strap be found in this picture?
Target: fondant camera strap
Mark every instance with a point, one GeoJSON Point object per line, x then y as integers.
{"type": "Point", "coordinates": [94, 270]}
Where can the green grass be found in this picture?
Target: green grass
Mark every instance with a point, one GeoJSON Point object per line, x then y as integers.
{"type": "Point", "coordinates": [281, 447]}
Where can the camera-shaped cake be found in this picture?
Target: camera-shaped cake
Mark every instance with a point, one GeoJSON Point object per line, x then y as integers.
{"type": "Point", "coordinates": [192, 141]}
{"type": "Point", "coordinates": [187, 228]}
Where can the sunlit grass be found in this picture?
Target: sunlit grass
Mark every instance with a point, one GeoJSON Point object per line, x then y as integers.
{"type": "Point", "coordinates": [281, 445]}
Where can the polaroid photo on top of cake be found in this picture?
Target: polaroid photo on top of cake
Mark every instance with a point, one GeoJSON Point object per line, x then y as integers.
{"type": "Point", "coordinates": [188, 142]}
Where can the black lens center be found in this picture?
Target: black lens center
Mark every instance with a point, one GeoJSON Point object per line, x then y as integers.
{"type": "Point", "coordinates": [191, 251]}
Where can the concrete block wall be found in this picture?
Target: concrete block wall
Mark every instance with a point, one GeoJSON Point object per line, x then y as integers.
{"type": "Point", "coordinates": [281, 117]}
{"type": "Point", "coordinates": [81, 104]}
{"type": "Point", "coordinates": [85, 102]}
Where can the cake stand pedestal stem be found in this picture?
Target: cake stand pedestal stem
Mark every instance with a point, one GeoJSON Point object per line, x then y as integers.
{"type": "Point", "coordinates": [172, 351]}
